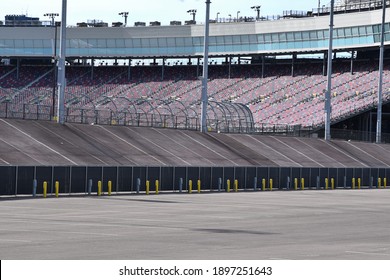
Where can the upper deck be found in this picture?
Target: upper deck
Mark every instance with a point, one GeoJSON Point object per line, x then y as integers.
{"type": "Point", "coordinates": [354, 29]}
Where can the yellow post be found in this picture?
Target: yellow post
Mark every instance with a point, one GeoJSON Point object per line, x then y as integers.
{"type": "Point", "coordinates": [199, 186]}
{"type": "Point", "coordinates": [157, 184]}
{"type": "Point", "coordinates": [99, 191]}
{"type": "Point", "coordinates": [303, 184]}
{"type": "Point", "coordinates": [236, 185]}
{"type": "Point", "coordinates": [379, 183]}
{"type": "Point", "coordinates": [271, 184]}
{"type": "Point", "coordinates": [385, 183]}
{"type": "Point", "coordinates": [332, 183]}
{"type": "Point", "coordinates": [263, 184]}
{"type": "Point", "coordinates": [326, 183]}
{"type": "Point", "coordinates": [57, 188]}
{"type": "Point", "coordinates": [44, 189]}
{"type": "Point", "coordinates": [147, 190]}
{"type": "Point", "coordinates": [228, 186]}
{"type": "Point", "coordinates": [190, 186]}
{"type": "Point", "coordinates": [296, 184]}
{"type": "Point", "coordinates": [359, 183]}
{"type": "Point", "coordinates": [109, 187]}
{"type": "Point", "coordinates": [353, 183]}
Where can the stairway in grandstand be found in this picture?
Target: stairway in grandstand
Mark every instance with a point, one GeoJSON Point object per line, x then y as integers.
{"type": "Point", "coordinates": [276, 98]}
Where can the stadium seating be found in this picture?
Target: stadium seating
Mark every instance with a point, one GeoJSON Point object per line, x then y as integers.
{"type": "Point", "coordinates": [276, 98]}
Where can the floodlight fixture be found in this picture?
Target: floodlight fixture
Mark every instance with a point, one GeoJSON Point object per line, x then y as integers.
{"type": "Point", "coordinates": [125, 15]}
{"type": "Point", "coordinates": [193, 13]}
{"type": "Point", "coordinates": [257, 9]}
{"type": "Point", "coordinates": [52, 16]}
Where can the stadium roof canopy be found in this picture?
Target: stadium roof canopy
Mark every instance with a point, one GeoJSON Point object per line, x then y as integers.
{"type": "Point", "coordinates": [354, 29]}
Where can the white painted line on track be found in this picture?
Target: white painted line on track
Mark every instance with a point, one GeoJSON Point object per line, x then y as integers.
{"type": "Point", "coordinates": [208, 148]}
{"type": "Point", "coordinates": [78, 147]}
{"type": "Point", "coordinates": [340, 151]}
{"type": "Point", "coordinates": [39, 142]}
{"type": "Point", "coordinates": [363, 151]}
{"type": "Point", "coordinates": [183, 146]}
{"type": "Point", "coordinates": [158, 146]}
{"type": "Point", "coordinates": [343, 165]}
{"type": "Point", "coordinates": [292, 148]}
{"type": "Point", "coordinates": [16, 148]}
{"type": "Point", "coordinates": [130, 144]}
{"type": "Point", "coordinates": [269, 147]}
{"type": "Point", "coordinates": [6, 162]}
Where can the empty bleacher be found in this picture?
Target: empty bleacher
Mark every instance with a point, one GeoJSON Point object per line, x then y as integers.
{"type": "Point", "coordinates": [276, 98]}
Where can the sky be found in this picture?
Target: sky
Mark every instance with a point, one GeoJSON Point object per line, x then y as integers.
{"type": "Point", "coordinates": [150, 10]}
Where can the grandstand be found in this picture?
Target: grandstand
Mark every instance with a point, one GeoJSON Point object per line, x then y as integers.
{"type": "Point", "coordinates": [277, 75]}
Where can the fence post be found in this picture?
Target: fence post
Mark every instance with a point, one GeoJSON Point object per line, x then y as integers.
{"type": "Point", "coordinates": [190, 186]}
{"type": "Point", "coordinates": [57, 188]}
{"type": "Point", "coordinates": [99, 189]}
{"type": "Point", "coordinates": [89, 186]}
{"type": "Point", "coordinates": [44, 189]}
{"type": "Point", "coordinates": [219, 184]}
{"type": "Point", "coordinates": [109, 188]}
{"type": "Point", "coordinates": [138, 185]}
{"type": "Point", "coordinates": [157, 184]}
{"type": "Point", "coordinates": [147, 187]}
{"type": "Point", "coordinates": [180, 185]}
{"type": "Point", "coordinates": [35, 185]}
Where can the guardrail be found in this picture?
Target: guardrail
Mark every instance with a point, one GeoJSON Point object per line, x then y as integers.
{"type": "Point", "coordinates": [128, 118]}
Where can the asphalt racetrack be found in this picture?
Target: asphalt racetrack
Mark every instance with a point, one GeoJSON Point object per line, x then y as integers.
{"type": "Point", "coordinates": [303, 225]}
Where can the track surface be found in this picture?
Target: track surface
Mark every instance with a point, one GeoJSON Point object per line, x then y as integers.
{"type": "Point", "coordinates": [342, 224]}
{"type": "Point", "coordinates": [47, 143]}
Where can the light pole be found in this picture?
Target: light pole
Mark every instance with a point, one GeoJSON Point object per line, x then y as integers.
{"type": "Point", "coordinates": [328, 104]}
{"type": "Point", "coordinates": [53, 97]}
{"type": "Point", "coordinates": [125, 15]}
{"type": "Point", "coordinates": [380, 85]}
{"type": "Point", "coordinates": [193, 13]}
{"type": "Point", "coordinates": [217, 16]}
{"type": "Point", "coordinates": [61, 68]}
{"type": "Point", "coordinates": [204, 98]}
{"type": "Point", "coordinates": [257, 9]}
{"type": "Point", "coordinates": [238, 12]}
{"type": "Point", "coordinates": [230, 18]}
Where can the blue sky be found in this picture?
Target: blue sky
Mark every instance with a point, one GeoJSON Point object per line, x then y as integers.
{"type": "Point", "coordinates": [151, 10]}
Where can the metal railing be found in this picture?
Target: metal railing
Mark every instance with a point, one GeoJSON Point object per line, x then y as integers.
{"type": "Point", "coordinates": [216, 123]}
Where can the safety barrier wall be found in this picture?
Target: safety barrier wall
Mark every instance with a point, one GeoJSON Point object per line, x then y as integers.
{"type": "Point", "coordinates": [20, 180]}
